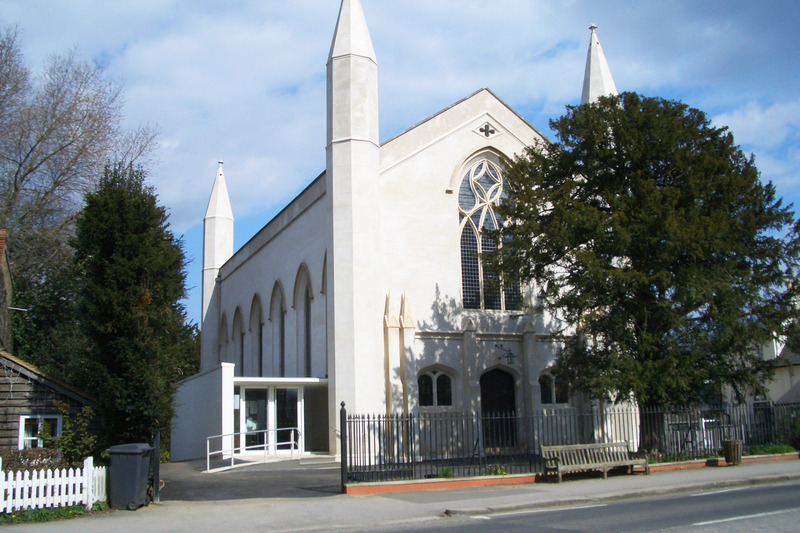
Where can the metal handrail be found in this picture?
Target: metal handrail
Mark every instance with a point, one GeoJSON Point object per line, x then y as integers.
{"type": "Point", "coordinates": [268, 443]}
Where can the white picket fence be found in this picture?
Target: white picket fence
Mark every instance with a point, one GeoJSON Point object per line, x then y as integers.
{"type": "Point", "coordinates": [38, 489]}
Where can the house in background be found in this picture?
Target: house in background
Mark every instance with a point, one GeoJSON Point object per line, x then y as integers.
{"type": "Point", "coordinates": [785, 386]}
{"type": "Point", "coordinates": [369, 287]}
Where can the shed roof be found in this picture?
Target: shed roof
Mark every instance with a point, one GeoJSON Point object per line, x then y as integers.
{"type": "Point", "coordinates": [36, 374]}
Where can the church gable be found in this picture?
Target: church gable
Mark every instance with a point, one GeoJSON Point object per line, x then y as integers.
{"type": "Point", "coordinates": [422, 171]}
{"type": "Point", "coordinates": [478, 121]}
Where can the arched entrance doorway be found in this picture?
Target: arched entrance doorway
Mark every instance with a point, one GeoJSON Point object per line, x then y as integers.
{"type": "Point", "coordinates": [498, 408]}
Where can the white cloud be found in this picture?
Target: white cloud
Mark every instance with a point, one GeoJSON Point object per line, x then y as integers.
{"type": "Point", "coordinates": [772, 133]}
{"type": "Point", "coordinates": [245, 80]}
{"type": "Point", "coordinates": [767, 127]}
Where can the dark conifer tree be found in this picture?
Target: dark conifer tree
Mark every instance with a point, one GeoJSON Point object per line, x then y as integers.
{"type": "Point", "coordinates": [648, 232]}
{"type": "Point", "coordinates": [132, 280]}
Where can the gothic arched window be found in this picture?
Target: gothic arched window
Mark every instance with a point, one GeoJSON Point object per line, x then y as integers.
{"type": "Point", "coordinates": [435, 389]}
{"type": "Point", "coordinates": [480, 192]}
{"type": "Point", "coordinates": [553, 392]}
{"type": "Point", "coordinates": [256, 364]}
{"type": "Point", "coordinates": [302, 305]}
{"type": "Point", "coordinates": [238, 342]}
{"type": "Point", "coordinates": [278, 319]}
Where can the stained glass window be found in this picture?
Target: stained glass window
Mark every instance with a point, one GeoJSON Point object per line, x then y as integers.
{"type": "Point", "coordinates": [482, 288]}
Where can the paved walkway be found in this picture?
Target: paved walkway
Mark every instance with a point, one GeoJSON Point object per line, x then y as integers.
{"type": "Point", "coordinates": [303, 496]}
{"type": "Point", "coordinates": [309, 477]}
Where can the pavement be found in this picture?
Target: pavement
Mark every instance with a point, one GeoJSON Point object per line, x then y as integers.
{"type": "Point", "coordinates": [304, 495]}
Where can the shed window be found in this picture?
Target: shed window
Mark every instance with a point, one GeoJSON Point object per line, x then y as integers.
{"type": "Point", "coordinates": [32, 427]}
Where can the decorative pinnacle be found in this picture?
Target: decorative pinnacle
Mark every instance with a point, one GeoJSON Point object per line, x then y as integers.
{"type": "Point", "coordinates": [220, 162]}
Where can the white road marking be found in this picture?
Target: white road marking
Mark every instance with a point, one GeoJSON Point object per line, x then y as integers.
{"type": "Point", "coordinates": [535, 511]}
{"type": "Point", "coordinates": [745, 517]}
{"type": "Point", "coordinates": [711, 492]}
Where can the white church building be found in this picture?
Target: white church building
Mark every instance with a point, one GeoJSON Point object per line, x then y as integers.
{"type": "Point", "coordinates": [368, 288]}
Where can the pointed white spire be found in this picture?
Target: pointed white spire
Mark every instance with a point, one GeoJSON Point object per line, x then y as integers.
{"type": "Point", "coordinates": [352, 79]}
{"type": "Point", "coordinates": [217, 248]}
{"type": "Point", "coordinates": [351, 193]}
{"type": "Point", "coordinates": [219, 205]}
{"type": "Point", "coordinates": [352, 35]}
{"type": "Point", "coordinates": [597, 80]}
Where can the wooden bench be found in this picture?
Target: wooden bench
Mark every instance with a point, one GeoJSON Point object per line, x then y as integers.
{"type": "Point", "coordinates": [582, 457]}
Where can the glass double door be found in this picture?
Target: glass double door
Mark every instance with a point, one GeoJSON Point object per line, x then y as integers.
{"type": "Point", "coordinates": [269, 417]}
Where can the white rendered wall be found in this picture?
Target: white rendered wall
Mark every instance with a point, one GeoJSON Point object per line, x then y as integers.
{"type": "Point", "coordinates": [199, 412]}
{"type": "Point", "coordinates": [297, 238]}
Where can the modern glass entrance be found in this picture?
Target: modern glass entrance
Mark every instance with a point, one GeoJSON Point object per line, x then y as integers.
{"type": "Point", "coordinates": [288, 417]}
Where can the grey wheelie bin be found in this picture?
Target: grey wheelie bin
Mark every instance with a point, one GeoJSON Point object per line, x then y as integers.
{"type": "Point", "coordinates": [128, 475]}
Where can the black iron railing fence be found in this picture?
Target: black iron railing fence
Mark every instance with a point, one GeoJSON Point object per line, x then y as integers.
{"type": "Point", "coordinates": [457, 444]}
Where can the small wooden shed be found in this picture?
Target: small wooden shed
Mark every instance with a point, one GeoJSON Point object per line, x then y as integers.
{"type": "Point", "coordinates": [29, 401]}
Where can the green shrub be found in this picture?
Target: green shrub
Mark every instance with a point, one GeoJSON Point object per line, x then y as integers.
{"type": "Point", "coordinates": [495, 470]}
{"type": "Point", "coordinates": [76, 443]}
{"type": "Point", "coordinates": [446, 472]}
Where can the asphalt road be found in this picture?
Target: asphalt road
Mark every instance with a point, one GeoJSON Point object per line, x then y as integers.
{"type": "Point", "coordinates": [751, 509]}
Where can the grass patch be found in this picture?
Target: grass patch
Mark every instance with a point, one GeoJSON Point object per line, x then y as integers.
{"type": "Point", "coordinates": [47, 515]}
{"type": "Point", "coordinates": [775, 449]}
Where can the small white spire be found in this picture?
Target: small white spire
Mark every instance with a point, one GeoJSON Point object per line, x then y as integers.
{"type": "Point", "coordinates": [597, 80]}
{"type": "Point", "coordinates": [351, 36]}
{"type": "Point", "coordinates": [219, 204]}
{"type": "Point", "coordinates": [352, 85]}
{"type": "Point", "coordinates": [217, 249]}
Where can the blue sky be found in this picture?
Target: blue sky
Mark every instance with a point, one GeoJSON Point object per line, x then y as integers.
{"type": "Point", "coordinates": [244, 81]}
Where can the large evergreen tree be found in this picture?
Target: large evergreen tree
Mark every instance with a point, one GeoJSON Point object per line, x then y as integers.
{"type": "Point", "coordinates": [58, 129]}
{"type": "Point", "coordinates": [132, 279]}
{"type": "Point", "coordinates": [648, 232]}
